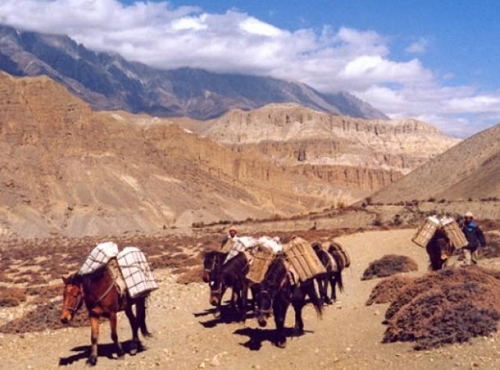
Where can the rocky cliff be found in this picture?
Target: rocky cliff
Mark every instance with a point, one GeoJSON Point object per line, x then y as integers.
{"type": "Point", "coordinates": [357, 153]}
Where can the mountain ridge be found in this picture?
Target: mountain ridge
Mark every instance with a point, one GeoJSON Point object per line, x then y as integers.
{"type": "Point", "coordinates": [109, 82]}
{"type": "Point", "coordinates": [470, 170]}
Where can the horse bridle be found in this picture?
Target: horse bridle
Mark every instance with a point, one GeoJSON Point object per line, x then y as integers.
{"type": "Point", "coordinates": [212, 268]}
{"type": "Point", "coordinates": [267, 311]}
{"type": "Point", "coordinates": [76, 307]}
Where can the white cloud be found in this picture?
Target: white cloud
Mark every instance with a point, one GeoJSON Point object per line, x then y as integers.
{"type": "Point", "coordinates": [157, 34]}
{"type": "Point", "coordinates": [418, 47]}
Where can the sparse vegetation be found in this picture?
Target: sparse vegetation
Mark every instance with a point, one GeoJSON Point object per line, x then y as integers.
{"type": "Point", "coordinates": [450, 306]}
{"type": "Point", "coordinates": [389, 265]}
{"type": "Point", "coordinates": [388, 290]}
{"type": "Point", "coordinates": [11, 297]}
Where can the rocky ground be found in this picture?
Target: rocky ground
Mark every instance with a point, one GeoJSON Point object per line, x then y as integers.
{"type": "Point", "coordinates": [186, 336]}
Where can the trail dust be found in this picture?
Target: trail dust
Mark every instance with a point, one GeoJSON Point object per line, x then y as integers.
{"type": "Point", "coordinates": [186, 336]}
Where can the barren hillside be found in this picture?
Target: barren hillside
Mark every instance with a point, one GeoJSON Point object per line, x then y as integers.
{"type": "Point", "coordinates": [468, 170]}
{"type": "Point", "coordinates": [67, 169]}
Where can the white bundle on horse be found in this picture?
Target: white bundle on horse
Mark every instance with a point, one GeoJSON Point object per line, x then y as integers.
{"type": "Point", "coordinates": [271, 243]}
{"type": "Point", "coordinates": [99, 257]}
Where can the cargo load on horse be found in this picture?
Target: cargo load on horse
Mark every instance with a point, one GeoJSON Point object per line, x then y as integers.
{"type": "Point", "coordinates": [129, 268]}
{"type": "Point", "coordinates": [440, 238]}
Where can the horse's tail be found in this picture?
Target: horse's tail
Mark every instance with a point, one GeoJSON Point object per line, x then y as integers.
{"type": "Point", "coordinates": [313, 296]}
{"type": "Point", "coordinates": [337, 256]}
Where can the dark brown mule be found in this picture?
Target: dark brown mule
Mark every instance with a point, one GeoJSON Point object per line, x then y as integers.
{"type": "Point", "coordinates": [232, 275]}
{"type": "Point", "coordinates": [101, 296]}
{"type": "Point", "coordinates": [277, 292]}
{"type": "Point", "coordinates": [439, 250]}
{"type": "Point", "coordinates": [334, 265]}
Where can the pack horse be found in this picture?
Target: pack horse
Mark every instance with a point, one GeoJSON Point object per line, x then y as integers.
{"type": "Point", "coordinates": [104, 293]}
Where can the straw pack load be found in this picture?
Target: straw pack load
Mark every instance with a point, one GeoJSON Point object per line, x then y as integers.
{"type": "Point", "coordinates": [426, 231]}
{"type": "Point", "coordinates": [454, 233]}
{"type": "Point", "coordinates": [303, 259]}
{"type": "Point", "coordinates": [260, 261]}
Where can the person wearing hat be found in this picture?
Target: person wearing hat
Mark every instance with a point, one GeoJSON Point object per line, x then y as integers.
{"type": "Point", "coordinates": [231, 235]}
{"type": "Point", "coordinates": [474, 236]}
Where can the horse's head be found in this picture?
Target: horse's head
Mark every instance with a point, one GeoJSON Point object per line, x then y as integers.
{"type": "Point", "coordinates": [274, 281]}
{"type": "Point", "coordinates": [212, 262]}
{"type": "Point", "coordinates": [72, 297]}
{"type": "Point", "coordinates": [264, 306]}
{"type": "Point", "coordinates": [216, 291]}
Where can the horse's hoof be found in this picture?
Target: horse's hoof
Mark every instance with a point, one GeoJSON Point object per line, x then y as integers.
{"type": "Point", "coordinates": [92, 361]}
{"type": "Point", "coordinates": [281, 344]}
{"type": "Point", "coordinates": [299, 331]}
{"type": "Point", "coordinates": [147, 335]}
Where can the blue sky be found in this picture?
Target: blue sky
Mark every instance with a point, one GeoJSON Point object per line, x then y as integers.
{"type": "Point", "coordinates": [432, 60]}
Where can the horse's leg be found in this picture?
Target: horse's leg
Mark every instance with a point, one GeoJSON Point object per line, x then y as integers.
{"type": "Point", "coordinates": [328, 280]}
{"type": "Point", "coordinates": [243, 300]}
{"type": "Point", "coordinates": [298, 302]}
{"type": "Point", "coordinates": [279, 310]}
{"type": "Point", "coordinates": [135, 327]}
{"type": "Point", "coordinates": [333, 283]}
{"type": "Point", "coordinates": [218, 308]}
{"type": "Point", "coordinates": [141, 317]}
{"type": "Point", "coordinates": [114, 335]}
{"type": "Point", "coordinates": [94, 337]}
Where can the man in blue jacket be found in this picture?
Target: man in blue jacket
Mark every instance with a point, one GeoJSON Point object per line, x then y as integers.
{"type": "Point", "coordinates": [474, 236]}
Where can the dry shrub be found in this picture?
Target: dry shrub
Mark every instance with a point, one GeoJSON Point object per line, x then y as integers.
{"type": "Point", "coordinates": [11, 297]}
{"type": "Point", "coordinates": [42, 318]}
{"type": "Point", "coordinates": [492, 250]}
{"type": "Point", "coordinates": [449, 306]}
{"type": "Point", "coordinates": [192, 275]}
{"type": "Point", "coordinates": [388, 290]}
{"type": "Point", "coordinates": [389, 265]}
{"type": "Point", "coordinates": [47, 292]}
{"type": "Point", "coordinates": [4, 278]}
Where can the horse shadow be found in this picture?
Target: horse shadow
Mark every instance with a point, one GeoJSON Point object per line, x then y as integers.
{"type": "Point", "coordinates": [257, 336]}
{"type": "Point", "coordinates": [227, 316]}
{"type": "Point", "coordinates": [105, 350]}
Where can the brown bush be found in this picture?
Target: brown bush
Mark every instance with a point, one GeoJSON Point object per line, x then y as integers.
{"type": "Point", "coordinates": [42, 318]}
{"type": "Point", "coordinates": [388, 289]}
{"type": "Point", "coordinates": [389, 265]}
{"type": "Point", "coordinates": [193, 275]}
{"type": "Point", "coordinates": [11, 297]}
{"type": "Point", "coordinates": [492, 249]}
{"type": "Point", "coordinates": [444, 307]}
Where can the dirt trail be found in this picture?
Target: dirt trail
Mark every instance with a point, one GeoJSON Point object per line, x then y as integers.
{"type": "Point", "coordinates": [186, 336]}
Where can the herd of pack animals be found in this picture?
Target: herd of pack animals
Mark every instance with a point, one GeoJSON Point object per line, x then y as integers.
{"type": "Point", "coordinates": [272, 297]}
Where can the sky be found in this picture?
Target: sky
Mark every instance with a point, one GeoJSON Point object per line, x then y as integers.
{"type": "Point", "coordinates": [433, 60]}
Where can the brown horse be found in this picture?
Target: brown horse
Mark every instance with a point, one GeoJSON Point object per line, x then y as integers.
{"type": "Point", "coordinates": [102, 298]}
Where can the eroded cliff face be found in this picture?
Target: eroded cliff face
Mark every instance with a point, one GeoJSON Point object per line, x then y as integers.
{"type": "Point", "coordinates": [71, 171]}
{"type": "Point", "coordinates": [364, 154]}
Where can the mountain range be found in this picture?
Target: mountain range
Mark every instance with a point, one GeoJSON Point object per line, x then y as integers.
{"type": "Point", "coordinates": [109, 82]}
